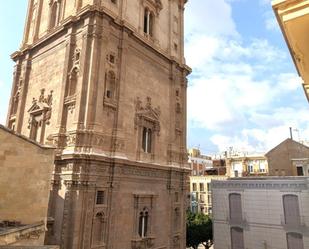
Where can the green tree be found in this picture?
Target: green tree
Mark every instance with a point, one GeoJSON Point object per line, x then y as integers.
{"type": "Point", "coordinates": [199, 230]}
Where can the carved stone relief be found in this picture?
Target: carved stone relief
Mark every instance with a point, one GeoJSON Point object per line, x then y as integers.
{"type": "Point", "coordinates": [147, 114]}
{"type": "Point", "coordinates": [40, 114]}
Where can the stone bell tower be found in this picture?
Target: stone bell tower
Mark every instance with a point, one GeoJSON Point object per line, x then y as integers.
{"type": "Point", "coordinates": [105, 82]}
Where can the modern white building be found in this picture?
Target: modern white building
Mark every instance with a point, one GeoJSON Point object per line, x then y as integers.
{"type": "Point", "coordinates": [261, 213]}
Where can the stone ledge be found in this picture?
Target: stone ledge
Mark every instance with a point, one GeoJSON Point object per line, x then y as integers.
{"type": "Point", "coordinates": [29, 247]}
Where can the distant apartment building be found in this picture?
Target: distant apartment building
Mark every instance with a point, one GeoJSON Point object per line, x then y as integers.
{"type": "Point", "coordinates": [289, 158]}
{"type": "Point", "coordinates": [261, 212]}
{"type": "Point", "coordinates": [218, 167]}
{"type": "Point", "coordinates": [201, 194]}
{"type": "Point", "coordinates": [199, 163]}
{"type": "Point", "coordinates": [241, 165]}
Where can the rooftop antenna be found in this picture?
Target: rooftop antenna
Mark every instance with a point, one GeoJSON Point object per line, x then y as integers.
{"type": "Point", "coordinates": [297, 134]}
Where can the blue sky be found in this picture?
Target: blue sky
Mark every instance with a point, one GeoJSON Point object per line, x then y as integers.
{"type": "Point", "coordinates": [11, 26]}
{"type": "Point", "coordinates": [244, 91]}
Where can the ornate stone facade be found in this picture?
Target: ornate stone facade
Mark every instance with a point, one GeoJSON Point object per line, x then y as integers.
{"type": "Point", "coordinates": [112, 77]}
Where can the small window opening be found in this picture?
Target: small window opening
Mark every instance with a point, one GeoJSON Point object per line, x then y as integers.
{"type": "Point", "coordinates": [148, 22]}
{"type": "Point", "coordinates": [175, 47]}
{"type": "Point", "coordinates": [111, 58]}
{"type": "Point", "coordinates": [100, 197]}
{"type": "Point", "coordinates": [143, 223]}
{"type": "Point", "coordinates": [110, 85]}
{"type": "Point", "coordinates": [147, 137]}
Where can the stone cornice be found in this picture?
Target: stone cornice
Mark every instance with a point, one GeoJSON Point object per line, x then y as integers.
{"type": "Point", "coordinates": [120, 161]}
{"type": "Point", "coordinates": [282, 183]}
{"type": "Point", "coordinates": [85, 12]}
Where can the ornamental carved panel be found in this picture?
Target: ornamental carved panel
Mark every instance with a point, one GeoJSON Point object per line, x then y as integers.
{"type": "Point", "coordinates": [147, 115]}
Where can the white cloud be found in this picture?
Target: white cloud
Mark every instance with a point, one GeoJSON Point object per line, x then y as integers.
{"type": "Point", "coordinates": [237, 86]}
{"type": "Point", "coordinates": [271, 23]}
{"type": "Point", "coordinates": [209, 17]}
{"type": "Point", "coordinates": [266, 2]}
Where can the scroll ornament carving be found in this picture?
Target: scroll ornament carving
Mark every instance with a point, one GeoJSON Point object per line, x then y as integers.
{"type": "Point", "coordinates": [71, 140]}
{"type": "Point", "coordinates": [155, 4]}
{"type": "Point", "coordinates": [41, 107]}
{"type": "Point", "coordinates": [147, 114]}
{"type": "Point", "coordinates": [31, 235]}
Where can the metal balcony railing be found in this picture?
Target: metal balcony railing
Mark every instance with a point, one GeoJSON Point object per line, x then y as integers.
{"type": "Point", "coordinates": [239, 220]}
{"type": "Point", "coordinates": [295, 223]}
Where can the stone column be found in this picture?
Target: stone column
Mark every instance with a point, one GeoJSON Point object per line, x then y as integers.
{"type": "Point", "coordinates": [16, 76]}
{"type": "Point", "coordinates": [94, 69]}
{"type": "Point", "coordinates": [26, 68]}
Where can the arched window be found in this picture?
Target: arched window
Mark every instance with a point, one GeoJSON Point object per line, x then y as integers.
{"type": "Point", "coordinates": [235, 207]}
{"type": "Point", "coordinates": [148, 22]}
{"type": "Point", "coordinates": [143, 223]}
{"type": "Point", "coordinates": [237, 238]}
{"type": "Point", "coordinates": [98, 229]}
{"type": "Point", "coordinates": [291, 209]}
{"type": "Point", "coordinates": [147, 140]}
{"type": "Point", "coordinates": [110, 85]}
{"type": "Point", "coordinates": [54, 13]}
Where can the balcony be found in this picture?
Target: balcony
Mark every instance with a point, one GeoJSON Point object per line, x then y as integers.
{"type": "Point", "coordinates": [299, 224]}
{"type": "Point", "coordinates": [238, 221]}
{"type": "Point", "coordinates": [143, 243]}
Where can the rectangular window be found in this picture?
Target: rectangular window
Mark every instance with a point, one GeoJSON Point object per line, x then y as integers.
{"type": "Point", "coordinates": [209, 198]}
{"type": "Point", "coordinates": [201, 187]}
{"type": "Point", "coordinates": [100, 197]}
{"type": "Point", "coordinates": [208, 187]}
{"type": "Point", "coordinates": [262, 167]}
{"type": "Point", "coordinates": [300, 171]}
{"type": "Point", "coordinates": [194, 187]}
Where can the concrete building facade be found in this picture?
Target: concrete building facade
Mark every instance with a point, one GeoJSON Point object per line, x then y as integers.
{"type": "Point", "coordinates": [104, 81]}
{"type": "Point", "coordinates": [262, 212]}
